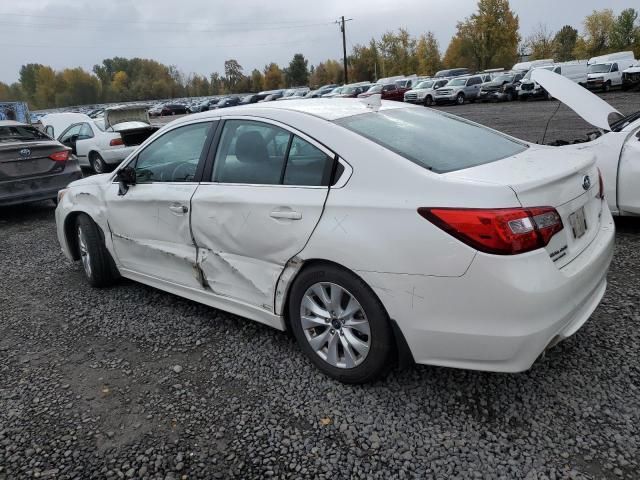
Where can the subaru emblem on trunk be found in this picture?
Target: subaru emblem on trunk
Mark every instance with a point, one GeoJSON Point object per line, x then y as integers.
{"type": "Point", "coordinates": [25, 152]}
{"type": "Point", "coordinates": [586, 182]}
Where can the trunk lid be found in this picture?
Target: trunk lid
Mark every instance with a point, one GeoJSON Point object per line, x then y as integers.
{"type": "Point", "coordinates": [126, 113]}
{"type": "Point", "coordinates": [19, 160]}
{"type": "Point", "coordinates": [546, 176]}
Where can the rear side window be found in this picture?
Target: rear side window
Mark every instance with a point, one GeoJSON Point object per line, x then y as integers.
{"type": "Point", "coordinates": [258, 153]}
{"type": "Point", "coordinates": [433, 140]}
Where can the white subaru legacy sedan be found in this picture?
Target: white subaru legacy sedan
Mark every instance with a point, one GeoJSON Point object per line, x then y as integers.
{"type": "Point", "coordinates": [374, 232]}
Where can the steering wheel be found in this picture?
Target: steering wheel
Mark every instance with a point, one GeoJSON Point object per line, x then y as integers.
{"type": "Point", "coordinates": [188, 173]}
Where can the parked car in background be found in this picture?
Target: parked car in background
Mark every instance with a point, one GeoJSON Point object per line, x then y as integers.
{"type": "Point", "coordinates": [424, 92]}
{"type": "Point", "coordinates": [501, 88]}
{"type": "Point", "coordinates": [101, 143]}
{"type": "Point", "coordinates": [390, 91]}
{"type": "Point", "coordinates": [631, 77]}
{"type": "Point", "coordinates": [333, 93]}
{"type": "Point", "coordinates": [295, 93]}
{"type": "Point", "coordinates": [409, 83]}
{"type": "Point", "coordinates": [249, 99]}
{"type": "Point", "coordinates": [459, 90]}
{"type": "Point", "coordinates": [207, 105]}
{"type": "Point", "coordinates": [173, 109]}
{"type": "Point", "coordinates": [33, 166]}
{"type": "Point", "coordinates": [529, 89]}
{"type": "Point", "coordinates": [519, 243]}
{"type": "Point", "coordinates": [452, 72]}
{"type": "Point", "coordinates": [156, 110]}
{"type": "Point", "coordinates": [605, 71]}
{"type": "Point", "coordinates": [227, 102]}
{"type": "Point", "coordinates": [352, 91]}
{"type": "Point", "coordinates": [320, 91]}
{"type": "Point", "coordinates": [271, 95]}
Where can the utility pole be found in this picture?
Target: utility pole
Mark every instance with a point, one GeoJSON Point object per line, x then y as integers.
{"type": "Point", "coordinates": [344, 46]}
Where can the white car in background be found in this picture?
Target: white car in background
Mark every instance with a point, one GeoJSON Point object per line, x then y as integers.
{"type": "Point", "coordinates": [616, 144]}
{"type": "Point", "coordinates": [101, 143]}
{"type": "Point", "coordinates": [331, 218]}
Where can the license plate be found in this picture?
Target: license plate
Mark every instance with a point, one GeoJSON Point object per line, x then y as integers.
{"type": "Point", "coordinates": [578, 223]}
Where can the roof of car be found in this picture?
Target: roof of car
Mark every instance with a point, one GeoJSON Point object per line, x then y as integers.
{"type": "Point", "coordinates": [326, 108]}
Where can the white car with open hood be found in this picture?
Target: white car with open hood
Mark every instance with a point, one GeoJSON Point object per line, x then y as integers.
{"type": "Point", "coordinates": [615, 145]}
{"type": "Point", "coordinates": [101, 143]}
{"type": "Point", "coordinates": [373, 230]}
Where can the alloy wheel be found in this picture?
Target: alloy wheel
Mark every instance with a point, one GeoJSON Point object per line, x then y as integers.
{"type": "Point", "coordinates": [85, 256]}
{"type": "Point", "coordinates": [335, 325]}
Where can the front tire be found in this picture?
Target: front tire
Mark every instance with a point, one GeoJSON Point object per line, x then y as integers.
{"type": "Point", "coordinates": [340, 324]}
{"type": "Point", "coordinates": [606, 87]}
{"type": "Point", "coordinates": [428, 101]}
{"type": "Point", "coordinates": [460, 99]}
{"type": "Point", "coordinates": [98, 265]}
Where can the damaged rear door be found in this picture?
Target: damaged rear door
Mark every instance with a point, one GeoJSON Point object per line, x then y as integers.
{"type": "Point", "coordinates": [258, 207]}
{"type": "Point", "coordinates": [150, 223]}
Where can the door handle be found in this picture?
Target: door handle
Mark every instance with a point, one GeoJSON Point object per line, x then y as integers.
{"type": "Point", "coordinates": [288, 214]}
{"type": "Point", "coordinates": [175, 208]}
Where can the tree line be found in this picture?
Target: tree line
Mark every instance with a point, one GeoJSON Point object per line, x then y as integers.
{"type": "Point", "coordinates": [489, 38]}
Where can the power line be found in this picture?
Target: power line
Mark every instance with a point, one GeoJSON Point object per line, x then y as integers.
{"type": "Point", "coordinates": [53, 26]}
{"type": "Point", "coordinates": [160, 22]}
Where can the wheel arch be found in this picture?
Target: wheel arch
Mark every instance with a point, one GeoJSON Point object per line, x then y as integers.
{"type": "Point", "coordinates": [70, 231]}
{"type": "Point", "coordinates": [402, 352]}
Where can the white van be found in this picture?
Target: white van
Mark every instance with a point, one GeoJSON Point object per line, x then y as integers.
{"type": "Point", "coordinates": [606, 71]}
{"type": "Point", "coordinates": [526, 66]}
{"type": "Point", "coordinates": [576, 70]}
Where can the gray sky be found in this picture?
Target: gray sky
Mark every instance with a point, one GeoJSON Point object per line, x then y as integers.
{"type": "Point", "coordinates": [199, 35]}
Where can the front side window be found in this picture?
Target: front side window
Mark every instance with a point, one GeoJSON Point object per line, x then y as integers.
{"type": "Point", "coordinates": [174, 156]}
{"type": "Point", "coordinates": [258, 153]}
{"type": "Point", "coordinates": [431, 139]}
{"type": "Point", "coordinates": [614, 67]}
{"type": "Point", "coordinates": [74, 130]}
{"type": "Point", "coordinates": [85, 132]}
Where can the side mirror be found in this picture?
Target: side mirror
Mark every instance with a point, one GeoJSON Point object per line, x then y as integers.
{"type": "Point", "coordinates": [126, 177]}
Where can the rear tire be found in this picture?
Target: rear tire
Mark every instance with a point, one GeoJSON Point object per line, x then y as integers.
{"type": "Point", "coordinates": [98, 164]}
{"type": "Point", "coordinates": [99, 267]}
{"type": "Point", "coordinates": [352, 333]}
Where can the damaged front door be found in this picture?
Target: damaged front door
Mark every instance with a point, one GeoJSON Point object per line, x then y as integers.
{"type": "Point", "coordinates": [265, 196]}
{"type": "Point", "coordinates": [629, 176]}
{"type": "Point", "coordinates": [150, 223]}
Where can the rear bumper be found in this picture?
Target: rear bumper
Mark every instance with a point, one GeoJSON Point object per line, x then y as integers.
{"type": "Point", "coordinates": [35, 189]}
{"type": "Point", "coordinates": [503, 312]}
{"type": "Point", "coordinates": [115, 156]}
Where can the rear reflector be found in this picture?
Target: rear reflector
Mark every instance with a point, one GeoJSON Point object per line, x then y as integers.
{"type": "Point", "coordinates": [500, 231]}
{"type": "Point", "coordinates": [116, 141]}
{"type": "Point", "coordinates": [62, 156]}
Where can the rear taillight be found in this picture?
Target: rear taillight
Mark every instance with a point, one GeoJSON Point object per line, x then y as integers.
{"type": "Point", "coordinates": [500, 231]}
{"type": "Point", "coordinates": [601, 185]}
{"type": "Point", "coordinates": [61, 156]}
{"type": "Point", "coordinates": [116, 141]}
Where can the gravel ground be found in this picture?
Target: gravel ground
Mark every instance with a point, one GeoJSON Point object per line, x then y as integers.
{"type": "Point", "coordinates": [131, 382]}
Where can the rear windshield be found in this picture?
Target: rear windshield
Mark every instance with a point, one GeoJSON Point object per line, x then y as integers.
{"type": "Point", "coordinates": [11, 133]}
{"type": "Point", "coordinates": [433, 140]}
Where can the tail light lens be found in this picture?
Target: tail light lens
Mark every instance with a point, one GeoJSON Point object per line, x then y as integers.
{"type": "Point", "coordinates": [601, 184]}
{"type": "Point", "coordinates": [61, 156]}
{"type": "Point", "coordinates": [116, 141]}
{"type": "Point", "coordinates": [501, 231]}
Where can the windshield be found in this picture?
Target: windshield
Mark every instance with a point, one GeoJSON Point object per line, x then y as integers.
{"type": "Point", "coordinates": [10, 133]}
{"type": "Point", "coordinates": [375, 89]}
{"type": "Point", "coordinates": [503, 78]}
{"type": "Point", "coordinates": [457, 82]}
{"type": "Point", "coordinates": [528, 75]}
{"type": "Point", "coordinates": [433, 140]}
{"type": "Point", "coordinates": [600, 68]}
{"type": "Point", "coordinates": [424, 85]}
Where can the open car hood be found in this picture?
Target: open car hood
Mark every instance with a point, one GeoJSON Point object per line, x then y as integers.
{"type": "Point", "coordinates": [125, 113]}
{"type": "Point", "coordinates": [586, 104]}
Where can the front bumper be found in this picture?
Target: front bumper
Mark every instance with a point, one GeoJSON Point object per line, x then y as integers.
{"type": "Point", "coordinates": [35, 189]}
{"type": "Point", "coordinates": [492, 95]}
{"type": "Point", "coordinates": [115, 156]}
{"type": "Point", "coordinates": [445, 98]}
{"type": "Point", "coordinates": [503, 312]}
